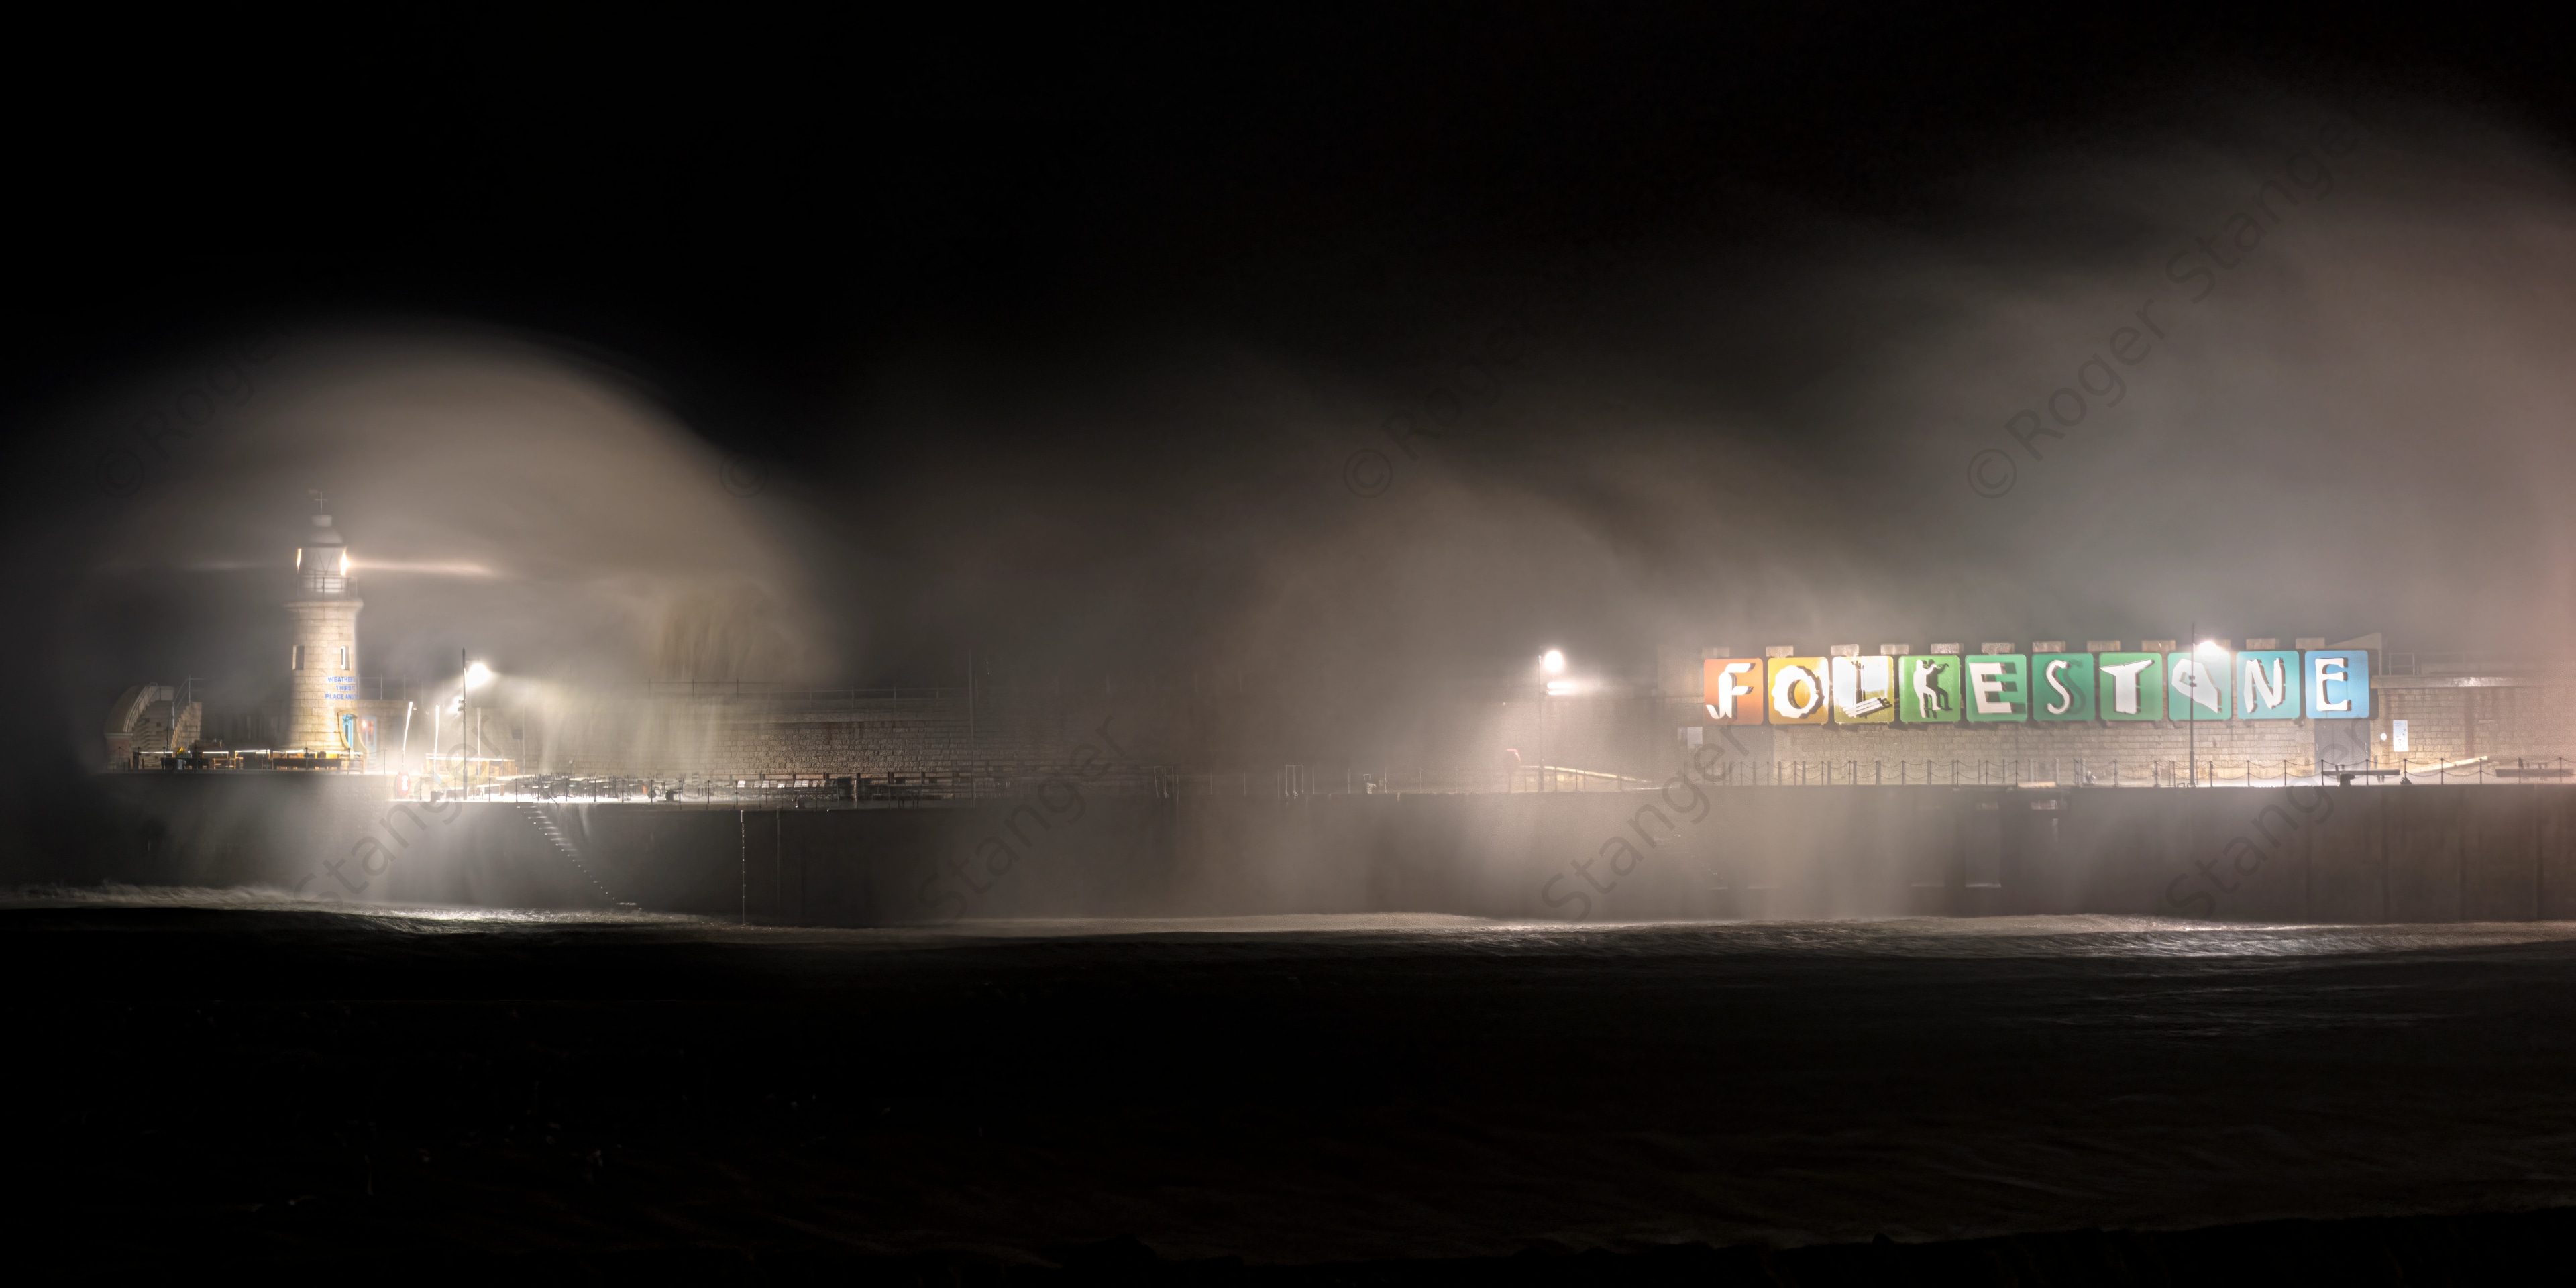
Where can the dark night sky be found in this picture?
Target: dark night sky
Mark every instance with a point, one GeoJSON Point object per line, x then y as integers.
{"type": "Point", "coordinates": [1052, 338]}
{"type": "Point", "coordinates": [748, 210]}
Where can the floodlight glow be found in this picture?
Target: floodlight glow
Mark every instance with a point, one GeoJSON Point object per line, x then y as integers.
{"type": "Point", "coordinates": [1553, 662]}
{"type": "Point", "coordinates": [2211, 648]}
{"type": "Point", "coordinates": [476, 675]}
{"type": "Point", "coordinates": [1563, 687]}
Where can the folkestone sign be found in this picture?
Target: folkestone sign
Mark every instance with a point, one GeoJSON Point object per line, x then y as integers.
{"type": "Point", "coordinates": [1998, 688]}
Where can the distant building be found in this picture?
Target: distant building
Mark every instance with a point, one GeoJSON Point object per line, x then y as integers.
{"type": "Point", "coordinates": [323, 664]}
{"type": "Point", "coordinates": [151, 719]}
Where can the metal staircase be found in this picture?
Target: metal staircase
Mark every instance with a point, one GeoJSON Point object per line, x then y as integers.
{"type": "Point", "coordinates": [545, 826]}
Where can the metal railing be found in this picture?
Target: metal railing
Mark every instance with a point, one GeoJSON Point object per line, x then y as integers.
{"type": "Point", "coordinates": [1299, 783]}
{"type": "Point", "coordinates": [789, 693]}
{"type": "Point", "coordinates": [2395, 663]}
{"type": "Point", "coordinates": [2170, 772]}
{"type": "Point", "coordinates": [1289, 783]}
{"type": "Point", "coordinates": [1561, 778]}
{"type": "Point", "coordinates": [785, 692]}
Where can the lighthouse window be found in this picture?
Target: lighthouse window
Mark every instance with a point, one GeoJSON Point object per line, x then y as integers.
{"type": "Point", "coordinates": [344, 658]}
{"type": "Point", "coordinates": [299, 657]}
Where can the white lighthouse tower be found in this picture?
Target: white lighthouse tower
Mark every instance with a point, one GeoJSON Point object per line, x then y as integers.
{"type": "Point", "coordinates": [325, 659]}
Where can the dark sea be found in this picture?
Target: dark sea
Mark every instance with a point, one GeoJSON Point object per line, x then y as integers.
{"type": "Point", "coordinates": [201, 1078]}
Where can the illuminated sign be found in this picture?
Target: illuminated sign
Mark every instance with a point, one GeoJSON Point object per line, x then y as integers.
{"type": "Point", "coordinates": [1998, 687]}
{"type": "Point", "coordinates": [1864, 690]}
{"type": "Point", "coordinates": [2199, 684]}
{"type": "Point", "coordinates": [2267, 685]}
{"type": "Point", "coordinates": [1993, 688]}
{"type": "Point", "coordinates": [1797, 691]}
{"type": "Point", "coordinates": [2338, 685]}
{"type": "Point", "coordinates": [2132, 686]}
{"type": "Point", "coordinates": [1734, 690]}
{"type": "Point", "coordinates": [2062, 686]}
{"type": "Point", "coordinates": [1930, 693]}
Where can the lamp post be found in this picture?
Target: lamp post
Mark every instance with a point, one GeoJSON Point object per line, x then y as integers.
{"type": "Point", "coordinates": [2202, 653]}
{"type": "Point", "coordinates": [469, 675]}
{"type": "Point", "coordinates": [1550, 663]}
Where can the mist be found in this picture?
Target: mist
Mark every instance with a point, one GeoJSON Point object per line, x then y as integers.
{"type": "Point", "coordinates": [1745, 416]}
{"type": "Point", "coordinates": [1550, 645]}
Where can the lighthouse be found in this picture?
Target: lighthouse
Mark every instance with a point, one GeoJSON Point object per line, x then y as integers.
{"type": "Point", "coordinates": [324, 662]}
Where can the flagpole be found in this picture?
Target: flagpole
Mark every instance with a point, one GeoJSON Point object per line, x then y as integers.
{"type": "Point", "coordinates": [2191, 701]}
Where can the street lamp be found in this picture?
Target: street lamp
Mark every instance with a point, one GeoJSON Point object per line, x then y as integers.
{"type": "Point", "coordinates": [2206, 652]}
{"type": "Point", "coordinates": [2199, 655]}
{"type": "Point", "coordinates": [474, 675]}
{"type": "Point", "coordinates": [1550, 664]}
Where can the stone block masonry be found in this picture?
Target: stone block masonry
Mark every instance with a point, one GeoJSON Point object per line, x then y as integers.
{"type": "Point", "coordinates": [2504, 723]}
{"type": "Point", "coordinates": [2533, 723]}
{"type": "Point", "coordinates": [323, 666]}
{"type": "Point", "coordinates": [2048, 752]}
